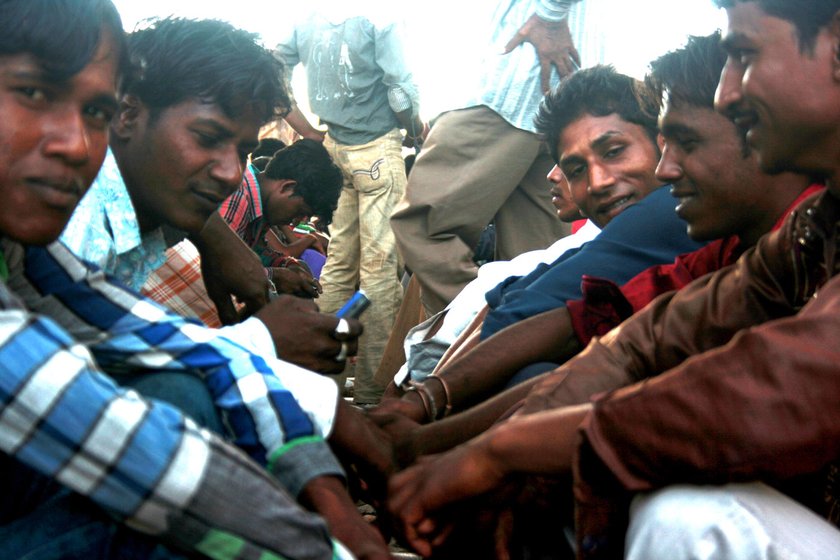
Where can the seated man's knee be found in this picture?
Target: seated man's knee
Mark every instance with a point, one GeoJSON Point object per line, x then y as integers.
{"type": "Point", "coordinates": [693, 522]}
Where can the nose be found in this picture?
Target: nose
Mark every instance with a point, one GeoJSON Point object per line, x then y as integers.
{"type": "Point", "coordinates": [600, 179]}
{"type": "Point", "coordinates": [668, 170]}
{"type": "Point", "coordinates": [228, 169]}
{"type": "Point", "coordinates": [69, 138]}
{"type": "Point", "coordinates": [556, 176]}
{"type": "Point", "coordinates": [728, 93]}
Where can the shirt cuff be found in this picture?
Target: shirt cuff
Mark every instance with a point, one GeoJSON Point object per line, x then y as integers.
{"type": "Point", "coordinates": [301, 460]}
{"type": "Point", "coordinates": [552, 10]}
{"type": "Point", "coordinates": [399, 100]}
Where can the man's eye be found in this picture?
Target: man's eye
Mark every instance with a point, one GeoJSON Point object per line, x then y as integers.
{"type": "Point", "coordinates": [207, 140]}
{"type": "Point", "coordinates": [101, 115]}
{"type": "Point", "coordinates": [614, 152]}
{"type": "Point", "coordinates": [573, 173]}
{"type": "Point", "coordinates": [33, 93]}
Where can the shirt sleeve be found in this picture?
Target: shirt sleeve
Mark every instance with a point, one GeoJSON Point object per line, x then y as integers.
{"type": "Point", "coordinates": [390, 56]}
{"type": "Point", "coordinates": [646, 234]}
{"type": "Point", "coordinates": [143, 461]}
{"type": "Point", "coordinates": [130, 334]}
{"type": "Point", "coordinates": [554, 10]}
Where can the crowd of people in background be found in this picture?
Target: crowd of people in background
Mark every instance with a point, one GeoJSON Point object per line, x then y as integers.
{"type": "Point", "coordinates": [646, 368]}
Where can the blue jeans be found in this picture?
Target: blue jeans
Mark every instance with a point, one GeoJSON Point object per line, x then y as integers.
{"type": "Point", "coordinates": [42, 520]}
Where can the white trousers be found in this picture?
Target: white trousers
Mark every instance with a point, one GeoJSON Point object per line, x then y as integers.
{"type": "Point", "coordinates": [736, 521]}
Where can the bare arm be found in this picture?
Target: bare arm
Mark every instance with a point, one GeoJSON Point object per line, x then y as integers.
{"type": "Point", "coordinates": [298, 121]}
{"type": "Point", "coordinates": [230, 268]}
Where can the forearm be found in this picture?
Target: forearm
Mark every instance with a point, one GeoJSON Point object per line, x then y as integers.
{"type": "Point", "coordinates": [298, 121]}
{"type": "Point", "coordinates": [488, 367]}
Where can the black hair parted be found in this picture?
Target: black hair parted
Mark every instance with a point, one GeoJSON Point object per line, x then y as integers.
{"type": "Point", "coordinates": [318, 179]}
{"type": "Point", "coordinates": [807, 16]}
{"type": "Point", "coordinates": [690, 74]}
{"type": "Point", "coordinates": [598, 91]}
{"type": "Point", "coordinates": [62, 35]}
{"type": "Point", "coordinates": [176, 59]}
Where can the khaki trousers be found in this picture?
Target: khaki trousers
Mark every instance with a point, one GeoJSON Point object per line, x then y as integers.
{"type": "Point", "coordinates": [475, 168]}
{"type": "Point", "coordinates": [362, 251]}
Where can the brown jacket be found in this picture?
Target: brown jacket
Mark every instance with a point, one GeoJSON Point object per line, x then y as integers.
{"type": "Point", "coordinates": [740, 380]}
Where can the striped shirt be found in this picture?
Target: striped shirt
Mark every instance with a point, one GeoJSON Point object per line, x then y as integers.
{"type": "Point", "coordinates": [510, 84]}
{"type": "Point", "coordinates": [143, 461]}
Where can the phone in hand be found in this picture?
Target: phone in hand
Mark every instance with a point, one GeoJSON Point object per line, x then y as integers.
{"type": "Point", "coordinates": [355, 306]}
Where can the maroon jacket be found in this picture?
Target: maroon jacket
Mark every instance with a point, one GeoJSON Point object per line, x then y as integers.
{"type": "Point", "coordinates": [740, 380]}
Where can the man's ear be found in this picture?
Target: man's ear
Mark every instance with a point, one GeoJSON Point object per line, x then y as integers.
{"type": "Point", "coordinates": [288, 186]}
{"type": "Point", "coordinates": [127, 116]}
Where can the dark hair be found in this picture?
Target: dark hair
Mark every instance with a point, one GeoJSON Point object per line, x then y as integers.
{"type": "Point", "coordinates": [178, 59]}
{"type": "Point", "coordinates": [808, 16]}
{"type": "Point", "coordinates": [689, 75]}
{"type": "Point", "coordinates": [318, 179]}
{"type": "Point", "coordinates": [598, 91]}
{"type": "Point", "coordinates": [62, 34]}
{"type": "Point", "coordinates": [267, 148]}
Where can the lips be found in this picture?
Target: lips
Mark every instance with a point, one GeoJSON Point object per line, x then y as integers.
{"type": "Point", "coordinates": [59, 192]}
{"type": "Point", "coordinates": [614, 206]}
{"type": "Point", "coordinates": [209, 199]}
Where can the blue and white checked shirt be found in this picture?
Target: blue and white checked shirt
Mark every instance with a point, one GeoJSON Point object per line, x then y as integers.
{"type": "Point", "coordinates": [143, 461]}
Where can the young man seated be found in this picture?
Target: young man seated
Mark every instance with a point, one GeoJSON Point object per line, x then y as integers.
{"type": "Point", "coordinates": [90, 467]}
{"type": "Point", "coordinates": [298, 181]}
{"type": "Point", "coordinates": [721, 395]}
{"type": "Point", "coordinates": [65, 321]}
{"type": "Point", "coordinates": [722, 196]}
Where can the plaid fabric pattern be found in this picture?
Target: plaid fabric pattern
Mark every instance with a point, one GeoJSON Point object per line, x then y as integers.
{"type": "Point", "coordinates": [178, 286]}
{"type": "Point", "coordinates": [143, 461]}
{"type": "Point", "coordinates": [128, 333]}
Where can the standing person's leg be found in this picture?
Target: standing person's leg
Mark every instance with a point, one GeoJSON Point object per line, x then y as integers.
{"type": "Point", "coordinates": [340, 274]}
{"type": "Point", "coordinates": [471, 162]}
{"type": "Point", "coordinates": [379, 179]}
{"type": "Point", "coordinates": [528, 220]}
{"type": "Point", "coordinates": [726, 522]}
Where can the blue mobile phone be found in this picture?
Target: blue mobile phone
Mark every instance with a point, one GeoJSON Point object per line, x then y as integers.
{"type": "Point", "coordinates": [354, 306]}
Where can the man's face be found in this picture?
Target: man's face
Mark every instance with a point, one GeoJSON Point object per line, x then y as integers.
{"type": "Point", "coordinates": [182, 162]}
{"type": "Point", "coordinates": [53, 137]}
{"type": "Point", "coordinates": [561, 196]}
{"type": "Point", "coordinates": [786, 100]}
{"type": "Point", "coordinates": [609, 164]}
{"type": "Point", "coordinates": [281, 206]}
{"type": "Point", "coordinates": [702, 156]}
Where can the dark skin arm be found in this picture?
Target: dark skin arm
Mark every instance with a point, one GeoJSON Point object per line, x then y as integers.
{"type": "Point", "coordinates": [484, 370]}
{"type": "Point", "coordinates": [327, 496]}
{"type": "Point", "coordinates": [542, 443]}
{"type": "Point", "coordinates": [230, 268]}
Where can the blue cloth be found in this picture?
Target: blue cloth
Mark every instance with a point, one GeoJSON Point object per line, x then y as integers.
{"type": "Point", "coordinates": [103, 230]}
{"type": "Point", "coordinates": [644, 235]}
{"type": "Point", "coordinates": [143, 461]}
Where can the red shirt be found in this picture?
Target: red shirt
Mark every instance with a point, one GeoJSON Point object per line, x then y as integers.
{"type": "Point", "coordinates": [604, 305]}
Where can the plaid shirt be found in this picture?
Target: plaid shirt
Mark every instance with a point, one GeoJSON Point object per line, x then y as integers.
{"type": "Point", "coordinates": [144, 461]}
{"type": "Point", "coordinates": [243, 212]}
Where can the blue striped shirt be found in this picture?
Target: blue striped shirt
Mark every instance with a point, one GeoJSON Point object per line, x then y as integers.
{"type": "Point", "coordinates": [145, 462]}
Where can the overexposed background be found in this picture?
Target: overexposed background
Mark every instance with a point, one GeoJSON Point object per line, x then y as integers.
{"type": "Point", "coordinates": [635, 32]}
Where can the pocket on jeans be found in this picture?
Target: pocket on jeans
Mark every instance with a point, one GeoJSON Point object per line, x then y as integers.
{"type": "Point", "coordinates": [371, 170]}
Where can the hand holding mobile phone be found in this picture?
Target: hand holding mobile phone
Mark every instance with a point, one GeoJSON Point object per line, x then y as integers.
{"type": "Point", "coordinates": [354, 307]}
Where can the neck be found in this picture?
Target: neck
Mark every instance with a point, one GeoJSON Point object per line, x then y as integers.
{"type": "Point", "coordinates": [781, 191]}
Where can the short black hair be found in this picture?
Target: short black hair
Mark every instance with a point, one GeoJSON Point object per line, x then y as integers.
{"type": "Point", "coordinates": [598, 91]}
{"type": "Point", "coordinates": [690, 74]}
{"type": "Point", "coordinates": [807, 16]}
{"type": "Point", "coordinates": [62, 35]}
{"type": "Point", "coordinates": [267, 147]}
{"type": "Point", "coordinates": [177, 59]}
{"type": "Point", "coordinates": [318, 179]}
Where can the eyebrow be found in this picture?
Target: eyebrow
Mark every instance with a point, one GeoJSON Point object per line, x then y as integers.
{"type": "Point", "coordinates": [598, 143]}
{"type": "Point", "coordinates": [728, 43]}
{"type": "Point", "coordinates": [676, 129]}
